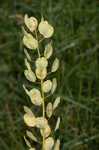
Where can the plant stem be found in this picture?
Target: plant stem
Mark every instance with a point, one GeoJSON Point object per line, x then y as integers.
{"type": "Point", "coordinates": [42, 93]}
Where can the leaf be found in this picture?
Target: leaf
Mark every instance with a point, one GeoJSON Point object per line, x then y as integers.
{"type": "Point", "coordinates": [47, 131]}
{"type": "Point", "coordinates": [48, 50]}
{"type": "Point", "coordinates": [49, 110]}
{"type": "Point", "coordinates": [41, 122]}
{"type": "Point", "coordinates": [54, 85]}
{"type": "Point", "coordinates": [49, 143]}
{"type": "Point", "coordinates": [41, 63]}
{"type": "Point", "coordinates": [28, 111]}
{"type": "Point", "coordinates": [31, 23]}
{"type": "Point", "coordinates": [27, 142]}
{"type": "Point", "coordinates": [41, 73]}
{"type": "Point", "coordinates": [45, 29]}
{"type": "Point", "coordinates": [56, 103]}
{"type": "Point", "coordinates": [55, 65]}
{"type": "Point", "coordinates": [29, 120]}
{"type": "Point", "coordinates": [27, 54]}
{"type": "Point", "coordinates": [30, 42]}
{"type": "Point", "coordinates": [31, 136]}
{"type": "Point", "coordinates": [57, 145]}
{"type": "Point", "coordinates": [29, 74]}
{"type": "Point", "coordinates": [47, 85]}
{"type": "Point", "coordinates": [57, 123]}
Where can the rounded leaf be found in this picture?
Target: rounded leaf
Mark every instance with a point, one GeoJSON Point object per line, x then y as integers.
{"type": "Point", "coordinates": [56, 103]}
{"type": "Point", "coordinates": [41, 63]}
{"type": "Point", "coordinates": [48, 50]}
{"type": "Point", "coordinates": [29, 120]}
{"type": "Point", "coordinates": [31, 22]}
{"type": "Point", "coordinates": [49, 110]}
{"type": "Point", "coordinates": [55, 65]}
{"type": "Point", "coordinates": [30, 42]}
{"type": "Point", "coordinates": [45, 29]}
{"type": "Point", "coordinates": [47, 85]}
{"type": "Point", "coordinates": [54, 85]}
{"type": "Point", "coordinates": [41, 73]}
{"type": "Point", "coordinates": [29, 74]}
{"type": "Point", "coordinates": [49, 143]}
{"type": "Point", "coordinates": [47, 131]}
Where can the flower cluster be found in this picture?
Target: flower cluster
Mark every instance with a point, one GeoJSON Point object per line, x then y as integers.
{"type": "Point", "coordinates": [37, 97]}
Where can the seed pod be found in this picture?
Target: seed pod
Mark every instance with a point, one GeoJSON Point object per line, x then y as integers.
{"type": "Point", "coordinates": [54, 85]}
{"type": "Point", "coordinates": [41, 122]}
{"type": "Point", "coordinates": [56, 103]}
{"type": "Point", "coordinates": [57, 123]}
{"type": "Point", "coordinates": [31, 136]}
{"type": "Point", "coordinates": [48, 50]}
{"type": "Point", "coordinates": [29, 74]}
{"type": "Point", "coordinates": [49, 110]}
{"type": "Point", "coordinates": [41, 63]}
{"type": "Point", "coordinates": [47, 85]}
{"type": "Point", "coordinates": [45, 29]}
{"type": "Point", "coordinates": [35, 96]}
{"type": "Point", "coordinates": [29, 120]}
{"type": "Point", "coordinates": [41, 73]}
{"type": "Point", "coordinates": [55, 65]}
{"type": "Point", "coordinates": [49, 143]}
{"type": "Point", "coordinates": [27, 142]}
{"type": "Point", "coordinates": [27, 64]}
{"type": "Point", "coordinates": [27, 54]}
{"type": "Point", "coordinates": [28, 111]}
{"type": "Point", "coordinates": [31, 23]}
{"type": "Point", "coordinates": [47, 131]}
{"type": "Point", "coordinates": [30, 42]}
{"type": "Point", "coordinates": [57, 145]}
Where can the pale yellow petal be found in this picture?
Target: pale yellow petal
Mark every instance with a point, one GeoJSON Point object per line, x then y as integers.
{"type": "Point", "coordinates": [35, 96]}
{"type": "Point", "coordinates": [29, 74]}
{"type": "Point", "coordinates": [28, 111]}
{"type": "Point", "coordinates": [49, 143]}
{"type": "Point", "coordinates": [31, 22]}
{"type": "Point", "coordinates": [41, 63]}
{"type": "Point", "coordinates": [55, 65]}
{"type": "Point", "coordinates": [32, 148]}
{"type": "Point", "coordinates": [30, 42]}
{"type": "Point", "coordinates": [29, 120]}
{"type": "Point", "coordinates": [54, 85]}
{"type": "Point", "coordinates": [27, 54]}
{"type": "Point", "coordinates": [45, 29]}
{"type": "Point", "coordinates": [47, 131]}
{"type": "Point", "coordinates": [48, 50]}
{"type": "Point", "coordinates": [41, 122]}
{"type": "Point", "coordinates": [31, 136]}
{"type": "Point", "coordinates": [41, 73]}
{"type": "Point", "coordinates": [57, 123]}
{"type": "Point", "coordinates": [49, 110]}
{"type": "Point", "coordinates": [27, 64]}
{"type": "Point", "coordinates": [57, 145]}
{"type": "Point", "coordinates": [27, 142]}
{"type": "Point", "coordinates": [47, 85]}
{"type": "Point", "coordinates": [56, 103]}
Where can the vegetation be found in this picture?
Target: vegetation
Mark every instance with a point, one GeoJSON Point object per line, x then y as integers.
{"type": "Point", "coordinates": [75, 43]}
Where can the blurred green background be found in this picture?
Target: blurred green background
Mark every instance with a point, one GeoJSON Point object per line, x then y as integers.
{"type": "Point", "coordinates": [75, 42]}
